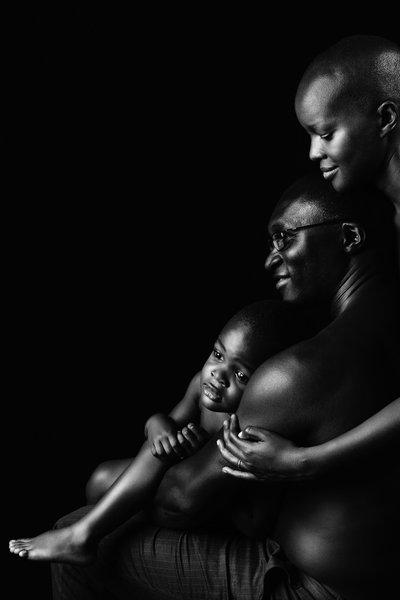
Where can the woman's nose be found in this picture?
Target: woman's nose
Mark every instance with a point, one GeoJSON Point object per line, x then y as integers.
{"type": "Point", "coordinates": [316, 148]}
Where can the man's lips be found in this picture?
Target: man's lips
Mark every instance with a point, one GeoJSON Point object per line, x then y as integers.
{"type": "Point", "coordinates": [280, 279]}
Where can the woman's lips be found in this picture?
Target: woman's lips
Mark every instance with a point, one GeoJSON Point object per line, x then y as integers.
{"type": "Point", "coordinates": [329, 174]}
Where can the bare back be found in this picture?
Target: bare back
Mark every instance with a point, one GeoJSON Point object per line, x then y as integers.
{"type": "Point", "coordinates": [344, 529]}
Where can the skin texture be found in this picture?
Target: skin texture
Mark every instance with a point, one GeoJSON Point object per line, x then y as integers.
{"type": "Point", "coordinates": [212, 395]}
{"type": "Point", "coordinates": [336, 127]}
{"type": "Point", "coordinates": [342, 531]}
{"type": "Point", "coordinates": [353, 142]}
{"type": "Point", "coordinates": [348, 101]}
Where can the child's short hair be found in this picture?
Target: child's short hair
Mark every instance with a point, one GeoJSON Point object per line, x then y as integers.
{"type": "Point", "coordinates": [273, 325]}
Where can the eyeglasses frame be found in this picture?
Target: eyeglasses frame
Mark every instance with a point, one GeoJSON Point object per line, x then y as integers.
{"type": "Point", "coordinates": [293, 230]}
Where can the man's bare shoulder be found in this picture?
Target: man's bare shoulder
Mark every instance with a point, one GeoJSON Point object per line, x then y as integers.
{"type": "Point", "coordinates": [284, 390]}
{"type": "Point", "coordinates": [297, 365]}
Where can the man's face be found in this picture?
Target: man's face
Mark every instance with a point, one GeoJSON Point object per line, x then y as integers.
{"type": "Point", "coordinates": [311, 266]}
{"type": "Point", "coordinates": [345, 138]}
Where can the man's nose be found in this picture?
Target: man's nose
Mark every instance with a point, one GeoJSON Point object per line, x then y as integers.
{"type": "Point", "coordinates": [273, 259]}
{"type": "Point", "coordinates": [316, 148]}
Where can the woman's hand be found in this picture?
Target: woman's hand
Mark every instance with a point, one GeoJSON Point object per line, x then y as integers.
{"type": "Point", "coordinates": [260, 455]}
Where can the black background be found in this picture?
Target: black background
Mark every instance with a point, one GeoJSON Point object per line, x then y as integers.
{"type": "Point", "coordinates": [145, 155]}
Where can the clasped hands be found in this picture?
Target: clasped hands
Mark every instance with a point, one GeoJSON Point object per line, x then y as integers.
{"type": "Point", "coordinates": [169, 443]}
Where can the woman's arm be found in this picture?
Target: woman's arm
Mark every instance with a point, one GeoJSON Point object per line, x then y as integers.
{"type": "Point", "coordinates": [266, 456]}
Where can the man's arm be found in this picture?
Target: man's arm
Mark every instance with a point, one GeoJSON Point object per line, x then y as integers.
{"type": "Point", "coordinates": [196, 489]}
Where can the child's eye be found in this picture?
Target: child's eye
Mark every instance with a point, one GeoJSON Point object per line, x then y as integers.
{"type": "Point", "coordinates": [217, 354]}
{"type": "Point", "coordinates": [242, 377]}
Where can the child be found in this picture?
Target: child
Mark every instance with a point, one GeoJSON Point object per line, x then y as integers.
{"type": "Point", "coordinates": [252, 335]}
{"type": "Point", "coordinates": [348, 100]}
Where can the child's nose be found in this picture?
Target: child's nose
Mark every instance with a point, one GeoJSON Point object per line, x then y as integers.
{"type": "Point", "coordinates": [220, 376]}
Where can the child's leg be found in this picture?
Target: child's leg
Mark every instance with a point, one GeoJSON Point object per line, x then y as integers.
{"type": "Point", "coordinates": [102, 478]}
{"type": "Point", "coordinates": [127, 495]}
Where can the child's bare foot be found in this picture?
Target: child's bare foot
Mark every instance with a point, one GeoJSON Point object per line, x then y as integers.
{"type": "Point", "coordinates": [58, 545]}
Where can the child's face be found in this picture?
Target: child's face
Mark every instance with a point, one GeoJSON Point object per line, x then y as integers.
{"type": "Point", "coordinates": [227, 370]}
{"type": "Point", "coordinates": [345, 138]}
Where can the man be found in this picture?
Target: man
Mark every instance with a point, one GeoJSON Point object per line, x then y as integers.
{"type": "Point", "coordinates": [348, 101]}
{"type": "Point", "coordinates": [332, 537]}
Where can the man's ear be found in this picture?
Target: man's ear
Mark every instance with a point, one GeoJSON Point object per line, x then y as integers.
{"type": "Point", "coordinates": [388, 113]}
{"type": "Point", "coordinates": [354, 237]}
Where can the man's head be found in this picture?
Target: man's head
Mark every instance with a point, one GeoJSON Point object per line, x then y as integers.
{"type": "Point", "coordinates": [348, 100]}
{"type": "Point", "coordinates": [253, 334]}
{"type": "Point", "coordinates": [318, 236]}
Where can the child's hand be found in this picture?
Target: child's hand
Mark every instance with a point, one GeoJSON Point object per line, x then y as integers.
{"type": "Point", "coordinates": [161, 432]}
{"type": "Point", "coordinates": [168, 445]}
{"type": "Point", "coordinates": [180, 445]}
{"type": "Point", "coordinates": [191, 438]}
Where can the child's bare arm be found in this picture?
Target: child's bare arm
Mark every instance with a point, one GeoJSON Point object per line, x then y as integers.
{"type": "Point", "coordinates": [177, 434]}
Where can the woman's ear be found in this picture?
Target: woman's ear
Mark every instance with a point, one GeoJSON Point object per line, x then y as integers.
{"type": "Point", "coordinates": [354, 237]}
{"type": "Point", "coordinates": [388, 113]}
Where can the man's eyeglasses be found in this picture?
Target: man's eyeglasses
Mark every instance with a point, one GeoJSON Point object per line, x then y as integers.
{"type": "Point", "coordinates": [281, 239]}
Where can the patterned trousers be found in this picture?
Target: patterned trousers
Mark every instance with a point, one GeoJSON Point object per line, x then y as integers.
{"type": "Point", "coordinates": [145, 562]}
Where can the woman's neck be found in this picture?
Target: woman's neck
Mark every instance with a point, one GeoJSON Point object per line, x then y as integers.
{"type": "Point", "coordinates": [389, 181]}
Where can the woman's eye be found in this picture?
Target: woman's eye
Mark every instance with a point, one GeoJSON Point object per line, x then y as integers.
{"type": "Point", "coordinates": [242, 377]}
{"type": "Point", "coordinates": [217, 354]}
{"type": "Point", "coordinates": [326, 136]}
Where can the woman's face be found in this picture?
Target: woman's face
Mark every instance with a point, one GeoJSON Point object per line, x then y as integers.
{"type": "Point", "coordinates": [345, 137]}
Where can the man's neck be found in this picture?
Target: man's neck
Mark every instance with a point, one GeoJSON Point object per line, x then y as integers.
{"type": "Point", "coordinates": [357, 281]}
